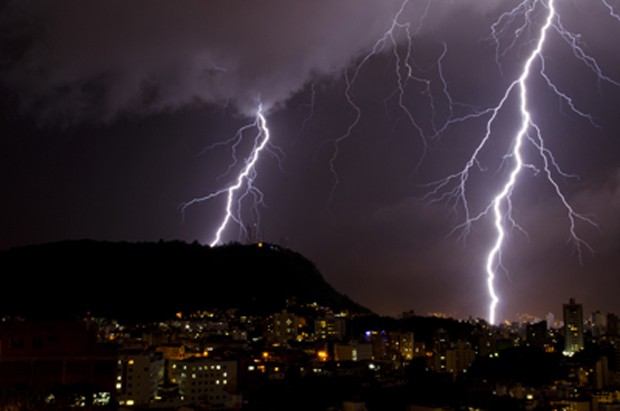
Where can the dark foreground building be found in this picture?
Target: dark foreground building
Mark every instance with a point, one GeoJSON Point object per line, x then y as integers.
{"type": "Point", "coordinates": [42, 355]}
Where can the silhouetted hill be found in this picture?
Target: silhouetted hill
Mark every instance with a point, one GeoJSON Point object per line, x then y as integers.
{"type": "Point", "coordinates": [152, 281]}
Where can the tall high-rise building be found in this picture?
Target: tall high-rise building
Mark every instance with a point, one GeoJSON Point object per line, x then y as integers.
{"type": "Point", "coordinates": [573, 327]}
{"type": "Point", "coordinates": [536, 335]}
{"type": "Point", "coordinates": [550, 318]}
{"type": "Point", "coordinates": [139, 373]}
{"type": "Point", "coordinates": [612, 325]}
{"type": "Point", "coordinates": [598, 324]}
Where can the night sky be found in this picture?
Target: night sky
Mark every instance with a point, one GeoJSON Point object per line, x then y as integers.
{"type": "Point", "coordinates": [112, 112]}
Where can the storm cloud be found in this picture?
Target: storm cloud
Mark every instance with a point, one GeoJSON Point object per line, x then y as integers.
{"type": "Point", "coordinates": [88, 59]}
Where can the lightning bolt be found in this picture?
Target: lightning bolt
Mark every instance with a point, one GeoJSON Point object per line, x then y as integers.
{"type": "Point", "coordinates": [611, 10]}
{"type": "Point", "coordinates": [454, 187]}
{"type": "Point", "coordinates": [243, 186]}
{"type": "Point", "coordinates": [494, 256]}
{"type": "Point", "coordinates": [404, 74]}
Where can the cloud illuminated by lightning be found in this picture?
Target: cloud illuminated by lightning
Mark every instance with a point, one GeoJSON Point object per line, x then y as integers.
{"type": "Point", "coordinates": [243, 186]}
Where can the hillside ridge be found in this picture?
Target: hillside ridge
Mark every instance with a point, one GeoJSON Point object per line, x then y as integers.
{"type": "Point", "coordinates": [153, 280]}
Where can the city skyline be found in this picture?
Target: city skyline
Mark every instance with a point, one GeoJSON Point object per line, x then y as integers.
{"type": "Point", "coordinates": [108, 128]}
{"type": "Point", "coordinates": [232, 359]}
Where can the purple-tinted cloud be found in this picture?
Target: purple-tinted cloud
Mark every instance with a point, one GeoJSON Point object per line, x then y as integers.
{"type": "Point", "coordinates": [86, 59]}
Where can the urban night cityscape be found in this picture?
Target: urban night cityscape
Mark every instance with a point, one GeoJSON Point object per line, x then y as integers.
{"type": "Point", "coordinates": [446, 173]}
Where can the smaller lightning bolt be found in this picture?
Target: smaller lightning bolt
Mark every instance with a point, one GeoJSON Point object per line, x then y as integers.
{"type": "Point", "coordinates": [311, 106]}
{"type": "Point", "coordinates": [243, 185]}
{"type": "Point", "coordinates": [404, 72]}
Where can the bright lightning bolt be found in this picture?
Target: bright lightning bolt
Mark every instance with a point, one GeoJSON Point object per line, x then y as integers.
{"type": "Point", "coordinates": [243, 185]}
{"type": "Point", "coordinates": [494, 256]}
{"type": "Point", "coordinates": [454, 187]}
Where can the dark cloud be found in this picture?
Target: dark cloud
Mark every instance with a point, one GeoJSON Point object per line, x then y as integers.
{"type": "Point", "coordinates": [121, 56]}
{"type": "Point", "coordinates": [96, 59]}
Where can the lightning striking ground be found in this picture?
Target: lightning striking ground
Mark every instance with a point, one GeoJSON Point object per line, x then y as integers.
{"type": "Point", "coordinates": [243, 185]}
{"type": "Point", "coordinates": [455, 186]}
{"type": "Point", "coordinates": [503, 197]}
